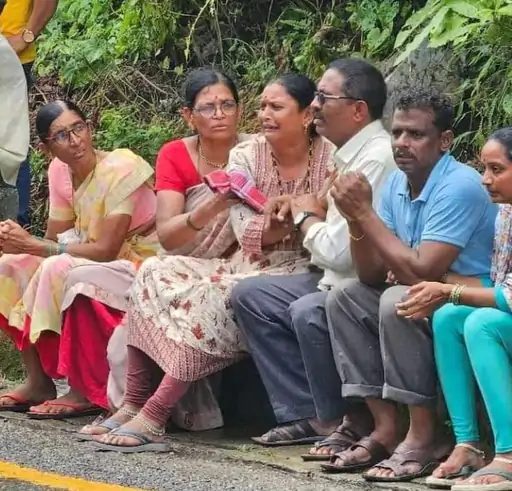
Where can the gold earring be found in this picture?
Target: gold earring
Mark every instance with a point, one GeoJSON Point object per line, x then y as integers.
{"type": "Point", "coordinates": [306, 127]}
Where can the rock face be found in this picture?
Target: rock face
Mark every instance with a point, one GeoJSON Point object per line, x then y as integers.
{"type": "Point", "coordinates": [8, 203]}
{"type": "Point", "coordinates": [425, 67]}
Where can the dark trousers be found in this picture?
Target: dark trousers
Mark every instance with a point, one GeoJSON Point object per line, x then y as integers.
{"type": "Point", "coordinates": [24, 175]}
{"type": "Point", "coordinates": [283, 320]}
{"type": "Point", "coordinates": [377, 353]}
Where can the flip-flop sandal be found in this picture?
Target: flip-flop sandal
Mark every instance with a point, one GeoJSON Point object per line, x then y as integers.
{"type": "Point", "coordinates": [145, 445]}
{"type": "Point", "coordinates": [298, 433]}
{"type": "Point", "coordinates": [341, 439]}
{"type": "Point", "coordinates": [376, 450]}
{"type": "Point", "coordinates": [109, 423]}
{"type": "Point", "coordinates": [21, 405]}
{"type": "Point", "coordinates": [449, 480]}
{"type": "Point", "coordinates": [464, 472]}
{"type": "Point", "coordinates": [404, 455]}
{"type": "Point", "coordinates": [75, 413]}
{"type": "Point", "coordinates": [498, 486]}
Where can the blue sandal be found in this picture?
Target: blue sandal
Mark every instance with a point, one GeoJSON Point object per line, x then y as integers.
{"type": "Point", "coordinates": [145, 445]}
{"type": "Point", "coordinates": [101, 422]}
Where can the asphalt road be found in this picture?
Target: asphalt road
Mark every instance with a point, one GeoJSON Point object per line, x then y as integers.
{"type": "Point", "coordinates": [189, 468]}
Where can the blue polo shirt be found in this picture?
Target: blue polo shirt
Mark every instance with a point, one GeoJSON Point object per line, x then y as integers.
{"type": "Point", "coordinates": [453, 207]}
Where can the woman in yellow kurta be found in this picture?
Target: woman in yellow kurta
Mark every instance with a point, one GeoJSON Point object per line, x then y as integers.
{"type": "Point", "coordinates": [102, 209]}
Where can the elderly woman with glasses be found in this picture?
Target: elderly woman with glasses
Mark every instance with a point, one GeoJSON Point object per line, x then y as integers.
{"type": "Point", "coordinates": [102, 209]}
{"type": "Point", "coordinates": [94, 294]}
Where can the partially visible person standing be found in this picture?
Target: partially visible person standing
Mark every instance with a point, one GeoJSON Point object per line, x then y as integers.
{"type": "Point", "coordinates": [21, 22]}
{"type": "Point", "coordinates": [14, 126]}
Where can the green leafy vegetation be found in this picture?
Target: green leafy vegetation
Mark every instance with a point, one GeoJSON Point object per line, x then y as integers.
{"type": "Point", "coordinates": [124, 61]}
{"type": "Point", "coordinates": [479, 33]}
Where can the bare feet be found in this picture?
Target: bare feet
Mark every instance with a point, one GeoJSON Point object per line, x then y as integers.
{"type": "Point", "coordinates": [127, 441]}
{"type": "Point", "coordinates": [461, 456]}
{"type": "Point", "coordinates": [502, 462]}
{"type": "Point", "coordinates": [72, 402]}
{"type": "Point", "coordinates": [30, 391]}
{"type": "Point", "coordinates": [122, 417]}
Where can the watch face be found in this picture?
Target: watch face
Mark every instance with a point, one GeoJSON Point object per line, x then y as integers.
{"type": "Point", "coordinates": [28, 36]}
{"type": "Point", "coordinates": [299, 218]}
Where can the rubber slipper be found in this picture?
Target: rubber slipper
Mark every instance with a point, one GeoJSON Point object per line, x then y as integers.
{"type": "Point", "coordinates": [450, 479]}
{"type": "Point", "coordinates": [110, 424]}
{"type": "Point", "coordinates": [340, 440]}
{"type": "Point", "coordinates": [298, 433]}
{"type": "Point", "coordinates": [145, 445]}
{"type": "Point", "coordinates": [376, 450]}
{"type": "Point", "coordinates": [498, 486]}
{"type": "Point", "coordinates": [402, 456]}
{"type": "Point", "coordinates": [75, 413]}
{"type": "Point", "coordinates": [21, 405]}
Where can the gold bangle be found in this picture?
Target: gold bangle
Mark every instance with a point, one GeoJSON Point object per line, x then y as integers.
{"type": "Point", "coordinates": [453, 293]}
{"type": "Point", "coordinates": [456, 300]}
{"type": "Point", "coordinates": [356, 239]}
{"type": "Point", "coordinates": [191, 225]}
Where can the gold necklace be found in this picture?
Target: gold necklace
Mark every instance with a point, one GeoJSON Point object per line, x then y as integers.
{"type": "Point", "coordinates": [208, 161]}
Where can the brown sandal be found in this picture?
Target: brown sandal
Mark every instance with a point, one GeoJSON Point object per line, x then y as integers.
{"type": "Point", "coordinates": [297, 433]}
{"type": "Point", "coordinates": [402, 455]}
{"type": "Point", "coordinates": [341, 439]}
{"type": "Point", "coordinates": [375, 449]}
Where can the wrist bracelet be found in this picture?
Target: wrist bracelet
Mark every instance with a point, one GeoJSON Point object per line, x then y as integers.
{"type": "Point", "coordinates": [356, 239]}
{"type": "Point", "coordinates": [191, 225]}
{"type": "Point", "coordinates": [455, 294]}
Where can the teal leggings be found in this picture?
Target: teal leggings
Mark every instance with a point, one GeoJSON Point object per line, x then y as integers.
{"type": "Point", "coordinates": [476, 343]}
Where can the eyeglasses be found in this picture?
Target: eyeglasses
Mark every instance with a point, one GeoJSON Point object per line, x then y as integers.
{"type": "Point", "coordinates": [323, 97]}
{"type": "Point", "coordinates": [228, 108]}
{"type": "Point", "coordinates": [62, 137]}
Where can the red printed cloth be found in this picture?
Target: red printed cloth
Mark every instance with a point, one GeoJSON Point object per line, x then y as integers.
{"type": "Point", "coordinates": [240, 184]}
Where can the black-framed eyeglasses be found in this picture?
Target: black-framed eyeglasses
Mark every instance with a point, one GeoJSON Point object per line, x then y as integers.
{"type": "Point", "coordinates": [62, 137]}
{"type": "Point", "coordinates": [228, 108]}
{"type": "Point", "coordinates": [323, 97]}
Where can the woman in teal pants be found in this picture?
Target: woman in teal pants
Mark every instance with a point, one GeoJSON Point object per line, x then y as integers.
{"type": "Point", "coordinates": [472, 329]}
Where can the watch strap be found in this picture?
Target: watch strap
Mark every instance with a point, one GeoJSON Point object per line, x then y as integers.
{"type": "Point", "coordinates": [305, 216]}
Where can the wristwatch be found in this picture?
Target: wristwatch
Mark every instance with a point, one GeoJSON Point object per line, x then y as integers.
{"type": "Point", "coordinates": [28, 36]}
{"type": "Point", "coordinates": [302, 217]}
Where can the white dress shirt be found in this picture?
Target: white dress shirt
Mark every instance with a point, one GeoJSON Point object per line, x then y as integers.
{"type": "Point", "coordinates": [369, 151]}
{"type": "Point", "coordinates": [14, 122]}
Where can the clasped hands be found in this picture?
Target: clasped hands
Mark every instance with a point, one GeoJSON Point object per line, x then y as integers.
{"type": "Point", "coordinates": [351, 192]}
{"type": "Point", "coordinates": [14, 239]}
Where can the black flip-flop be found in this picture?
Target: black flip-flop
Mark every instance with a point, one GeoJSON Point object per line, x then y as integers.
{"type": "Point", "coordinates": [297, 433]}
{"type": "Point", "coordinates": [449, 480]}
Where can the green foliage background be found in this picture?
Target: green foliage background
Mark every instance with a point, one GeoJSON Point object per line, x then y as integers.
{"type": "Point", "coordinates": [124, 61]}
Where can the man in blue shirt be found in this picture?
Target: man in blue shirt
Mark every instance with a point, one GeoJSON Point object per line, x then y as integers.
{"type": "Point", "coordinates": [435, 219]}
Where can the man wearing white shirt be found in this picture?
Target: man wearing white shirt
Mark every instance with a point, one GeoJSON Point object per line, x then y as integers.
{"type": "Point", "coordinates": [14, 126]}
{"type": "Point", "coordinates": [283, 317]}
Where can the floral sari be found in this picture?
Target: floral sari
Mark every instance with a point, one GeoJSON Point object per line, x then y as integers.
{"type": "Point", "coordinates": [32, 287]}
{"type": "Point", "coordinates": [198, 409]}
{"type": "Point", "coordinates": [179, 307]}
